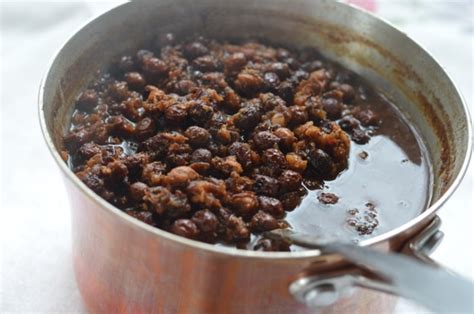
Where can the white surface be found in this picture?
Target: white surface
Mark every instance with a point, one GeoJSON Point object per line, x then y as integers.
{"type": "Point", "coordinates": [35, 266]}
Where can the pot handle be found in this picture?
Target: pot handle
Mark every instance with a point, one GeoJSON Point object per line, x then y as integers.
{"type": "Point", "coordinates": [415, 277]}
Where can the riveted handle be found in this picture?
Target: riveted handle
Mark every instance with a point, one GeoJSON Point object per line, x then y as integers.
{"type": "Point", "coordinates": [426, 242]}
{"type": "Point", "coordinates": [414, 277]}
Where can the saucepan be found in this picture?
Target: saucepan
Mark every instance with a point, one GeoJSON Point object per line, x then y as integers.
{"type": "Point", "coordinates": [124, 265]}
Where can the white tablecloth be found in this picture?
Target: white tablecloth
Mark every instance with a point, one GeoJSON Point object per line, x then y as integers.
{"type": "Point", "coordinates": [36, 268]}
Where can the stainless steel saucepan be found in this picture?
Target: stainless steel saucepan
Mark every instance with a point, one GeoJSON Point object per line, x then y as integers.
{"type": "Point", "coordinates": [124, 265]}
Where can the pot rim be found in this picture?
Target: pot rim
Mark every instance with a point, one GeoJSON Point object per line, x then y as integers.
{"type": "Point", "coordinates": [210, 248]}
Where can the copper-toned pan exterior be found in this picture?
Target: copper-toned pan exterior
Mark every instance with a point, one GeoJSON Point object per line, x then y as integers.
{"type": "Point", "coordinates": [123, 265]}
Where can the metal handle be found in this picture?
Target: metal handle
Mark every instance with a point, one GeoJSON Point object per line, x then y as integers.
{"type": "Point", "coordinates": [419, 278]}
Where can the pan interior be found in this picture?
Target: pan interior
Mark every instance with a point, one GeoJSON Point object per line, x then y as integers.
{"type": "Point", "coordinates": [361, 43]}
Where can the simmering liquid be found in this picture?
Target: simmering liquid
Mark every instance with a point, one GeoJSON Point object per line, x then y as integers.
{"type": "Point", "coordinates": [394, 177]}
